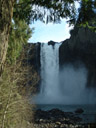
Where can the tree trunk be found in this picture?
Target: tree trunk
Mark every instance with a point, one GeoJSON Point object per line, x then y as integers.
{"type": "Point", "coordinates": [6, 14]}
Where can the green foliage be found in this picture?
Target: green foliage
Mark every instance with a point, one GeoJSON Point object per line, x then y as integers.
{"type": "Point", "coordinates": [86, 12]}
{"type": "Point", "coordinates": [44, 10]}
{"type": "Point", "coordinates": [54, 10]}
{"type": "Point", "coordinates": [19, 36]}
{"type": "Point", "coordinates": [15, 110]}
{"type": "Point", "coordinates": [87, 15]}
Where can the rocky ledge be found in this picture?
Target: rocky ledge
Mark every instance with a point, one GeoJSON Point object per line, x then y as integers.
{"type": "Point", "coordinates": [56, 118]}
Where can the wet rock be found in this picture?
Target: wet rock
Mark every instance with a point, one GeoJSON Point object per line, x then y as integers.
{"type": "Point", "coordinates": [79, 111]}
{"type": "Point", "coordinates": [59, 123]}
{"type": "Point", "coordinates": [51, 43]}
{"type": "Point", "coordinates": [41, 120]}
{"type": "Point", "coordinates": [56, 118]}
{"type": "Point", "coordinates": [62, 126]}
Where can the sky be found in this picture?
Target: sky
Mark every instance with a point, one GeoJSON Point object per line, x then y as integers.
{"type": "Point", "coordinates": [46, 32]}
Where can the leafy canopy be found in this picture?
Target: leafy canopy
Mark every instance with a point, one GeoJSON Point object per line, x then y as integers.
{"type": "Point", "coordinates": [87, 14]}
{"type": "Point", "coordinates": [53, 10]}
{"type": "Point", "coordinates": [44, 10]}
{"type": "Point", "coordinates": [19, 36]}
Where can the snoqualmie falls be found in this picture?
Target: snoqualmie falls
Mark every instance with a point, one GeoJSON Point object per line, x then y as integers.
{"type": "Point", "coordinates": [66, 85]}
{"type": "Point", "coordinates": [66, 81]}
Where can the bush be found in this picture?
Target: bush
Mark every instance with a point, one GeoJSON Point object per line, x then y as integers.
{"type": "Point", "coordinates": [15, 109]}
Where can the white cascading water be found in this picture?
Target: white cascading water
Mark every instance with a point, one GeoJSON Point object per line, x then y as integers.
{"type": "Point", "coordinates": [49, 57]}
{"type": "Point", "coordinates": [66, 86]}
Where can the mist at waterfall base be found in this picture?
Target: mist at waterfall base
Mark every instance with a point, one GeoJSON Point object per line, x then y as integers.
{"type": "Point", "coordinates": [66, 85]}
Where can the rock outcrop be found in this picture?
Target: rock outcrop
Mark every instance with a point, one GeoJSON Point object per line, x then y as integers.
{"type": "Point", "coordinates": [34, 55]}
{"type": "Point", "coordinates": [51, 43]}
{"type": "Point", "coordinates": [81, 47]}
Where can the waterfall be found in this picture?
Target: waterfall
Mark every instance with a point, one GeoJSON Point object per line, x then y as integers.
{"type": "Point", "coordinates": [49, 69]}
{"type": "Point", "coordinates": [61, 86]}
{"type": "Point", "coordinates": [49, 87]}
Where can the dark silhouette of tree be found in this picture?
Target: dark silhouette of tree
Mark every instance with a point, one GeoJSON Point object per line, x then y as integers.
{"type": "Point", "coordinates": [86, 12]}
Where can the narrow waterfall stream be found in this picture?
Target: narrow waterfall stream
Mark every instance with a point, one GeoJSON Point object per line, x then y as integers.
{"type": "Point", "coordinates": [49, 70]}
{"type": "Point", "coordinates": [49, 88]}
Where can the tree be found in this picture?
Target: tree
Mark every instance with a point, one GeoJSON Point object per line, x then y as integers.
{"type": "Point", "coordinates": [6, 14]}
{"type": "Point", "coordinates": [15, 110]}
{"type": "Point", "coordinates": [29, 10]}
{"type": "Point", "coordinates": [44, 10]}
{"type": "Point", "coordinates": [87, 15]}
{"type": "Point", "coordinates": [18, 38]}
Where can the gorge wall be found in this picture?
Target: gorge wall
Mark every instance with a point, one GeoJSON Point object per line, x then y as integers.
{"type": "Point", "coordinates": [81, 47]}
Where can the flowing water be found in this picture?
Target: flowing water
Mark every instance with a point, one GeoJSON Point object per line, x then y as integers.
{"type": "Point", "coordinates": [49, 88]}
{"type": "Point", "coordinates": [63, 88]}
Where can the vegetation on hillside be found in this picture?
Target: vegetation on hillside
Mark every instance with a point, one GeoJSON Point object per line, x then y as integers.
{"type": "Point", "coordinates": [15, 110]}
{"type": "Point", "coordinates": [19, 36]}
{"type": "Point", "coordinates": [87, 14]}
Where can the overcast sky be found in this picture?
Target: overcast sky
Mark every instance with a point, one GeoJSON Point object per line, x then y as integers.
{"type": "Point", "coordinates": [46, 32]}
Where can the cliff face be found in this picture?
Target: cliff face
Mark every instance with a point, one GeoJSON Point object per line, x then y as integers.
{"type": "Point", "coordinates": [82, 43]}
{"type": "Point", "coordinates": [34, 56]}
{"type": "Point", "coordinates": [31, 61]}
{"type": "Point", "coordinates": [82, 39]}
{"type": "Point", "coordinates": [80, 47]}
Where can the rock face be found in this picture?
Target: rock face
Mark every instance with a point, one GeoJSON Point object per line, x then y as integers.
{"type": "Point", "coordinates": [51, 43]}
{"type": "Point", "coordinates": [34, 55]}
{"type": "Point", "coordinates": [33, 60]}
{"type": "Point", "coordinates": [81, 47]}
{"type": "Point", "coordinates": [82, 38]}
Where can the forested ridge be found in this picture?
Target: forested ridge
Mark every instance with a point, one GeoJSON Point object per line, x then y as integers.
{"type": "Point", "coordinates": [15, 17]}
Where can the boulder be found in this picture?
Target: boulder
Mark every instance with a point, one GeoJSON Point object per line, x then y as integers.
{"type": "Point", "coordinates": [51, 43]}
{"type": "Point", "coordinates": [79, 111]}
